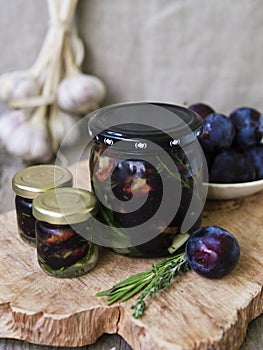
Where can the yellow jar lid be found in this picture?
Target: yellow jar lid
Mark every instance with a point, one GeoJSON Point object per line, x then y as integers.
{"type": "Point", "coordinates": [31, 181]}
{"type": "Point", "coordinates": [64, 206]}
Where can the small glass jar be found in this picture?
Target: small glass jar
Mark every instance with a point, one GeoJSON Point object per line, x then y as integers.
{"type": "Point", "coordinates": [148, 152]}
{"type": "Point", "coordinates": [63, 223]}
{"type": "Point", "coordinates": [29, 183]}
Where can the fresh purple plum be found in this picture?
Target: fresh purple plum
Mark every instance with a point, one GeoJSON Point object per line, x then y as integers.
{"type": "Point", "coordinates": [209, 157]}
{"type": "Point", "coordinates": [212, 252]}
{"type": "Point", "coordinates": [201, 108]}
{"type": "Point", "coordinates": [231, 167]}
{"type": "Point", "coordinates": [218, 133]}
{"type": "Point", "coordinates": [255, 156]}
{"type": "Point", "coordinates": [248, 124]}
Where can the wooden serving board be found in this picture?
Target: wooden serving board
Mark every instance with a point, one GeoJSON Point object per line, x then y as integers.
{"type": "Point", "coordinates": [193, 313]}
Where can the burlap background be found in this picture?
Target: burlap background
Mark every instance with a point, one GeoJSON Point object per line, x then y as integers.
{"type": "Point", "coordinates": [171, 50]}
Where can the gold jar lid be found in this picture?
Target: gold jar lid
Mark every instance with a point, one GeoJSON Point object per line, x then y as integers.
{"type": "Point", "coordinates": [64, 206]}
{"type": "Point", "coordinates": [31, 181]}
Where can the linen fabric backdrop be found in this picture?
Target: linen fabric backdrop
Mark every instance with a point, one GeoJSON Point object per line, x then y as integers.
{"type": "Point", "coordinates": [171, 50]}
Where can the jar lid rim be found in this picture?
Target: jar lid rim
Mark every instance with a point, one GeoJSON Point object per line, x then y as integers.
{"type": "Point", "coordinates": [31, 181]}
{"type": "Point", "coordinates": [64, 206]}
{"type": "Point", "coordinates": [150, 120]}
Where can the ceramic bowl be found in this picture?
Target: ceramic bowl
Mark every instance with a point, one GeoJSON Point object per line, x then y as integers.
{"type": "Point", "coordinates": [233, 191]}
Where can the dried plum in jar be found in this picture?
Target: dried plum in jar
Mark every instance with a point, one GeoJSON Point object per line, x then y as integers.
{"type": "Point", "coordinates": [63, 223]}
{"type": "Point", "coordinates": [27, 184]}
{"type": "Point", "coordinates": [146, 169]}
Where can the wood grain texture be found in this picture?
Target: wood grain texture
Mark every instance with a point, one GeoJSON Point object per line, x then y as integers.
{"type": "Point", "coordinates": [193, 313]}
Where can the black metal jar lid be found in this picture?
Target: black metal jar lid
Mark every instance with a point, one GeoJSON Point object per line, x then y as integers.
{"type": "Point", "coordinates": [166, 124]}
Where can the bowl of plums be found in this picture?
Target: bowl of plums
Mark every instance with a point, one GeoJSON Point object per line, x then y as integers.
{"type": "Point", "coordinates": [233, 148]}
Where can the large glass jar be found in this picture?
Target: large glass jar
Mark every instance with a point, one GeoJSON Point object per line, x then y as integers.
{"type": "Point", "coordinates": [27, 184]}
{"type": "Point", "coordinates": [146, 169]}
{"type": "Point", "coordinates": [63, 223]}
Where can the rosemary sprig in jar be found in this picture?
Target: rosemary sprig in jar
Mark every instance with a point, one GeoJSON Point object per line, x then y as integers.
{"type": "Point", "coordinates": [148, 282]}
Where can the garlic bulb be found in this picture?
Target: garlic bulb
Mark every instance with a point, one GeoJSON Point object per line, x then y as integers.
{"type": "Point", "coordinates": [27, 138]}
{"type": "Point", "coordinates": [16, 86]}
{"type": "Point", "coordinates": [9, 121]}
{"type": "Point", "coordinates": [80, 93]}
{"type": "Point", "coordinates": [35, 130]}
{"type": "Point", "coordinates": [63, 129]}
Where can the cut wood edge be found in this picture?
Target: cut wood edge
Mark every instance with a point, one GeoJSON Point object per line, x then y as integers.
{"type": "Point", "coordinates": [141, 337]}
{"type": "Point", "coordinates": [77, 329]}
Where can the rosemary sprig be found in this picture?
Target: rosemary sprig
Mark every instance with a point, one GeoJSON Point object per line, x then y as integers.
{"type": "Point", "coordinates": [184, 181]}
{"type": "Point", "coordinates": [149, 282]}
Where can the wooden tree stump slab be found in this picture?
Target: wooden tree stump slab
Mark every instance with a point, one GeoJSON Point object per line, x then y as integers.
{"type": "Point", "coordinates": [193, 313]}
